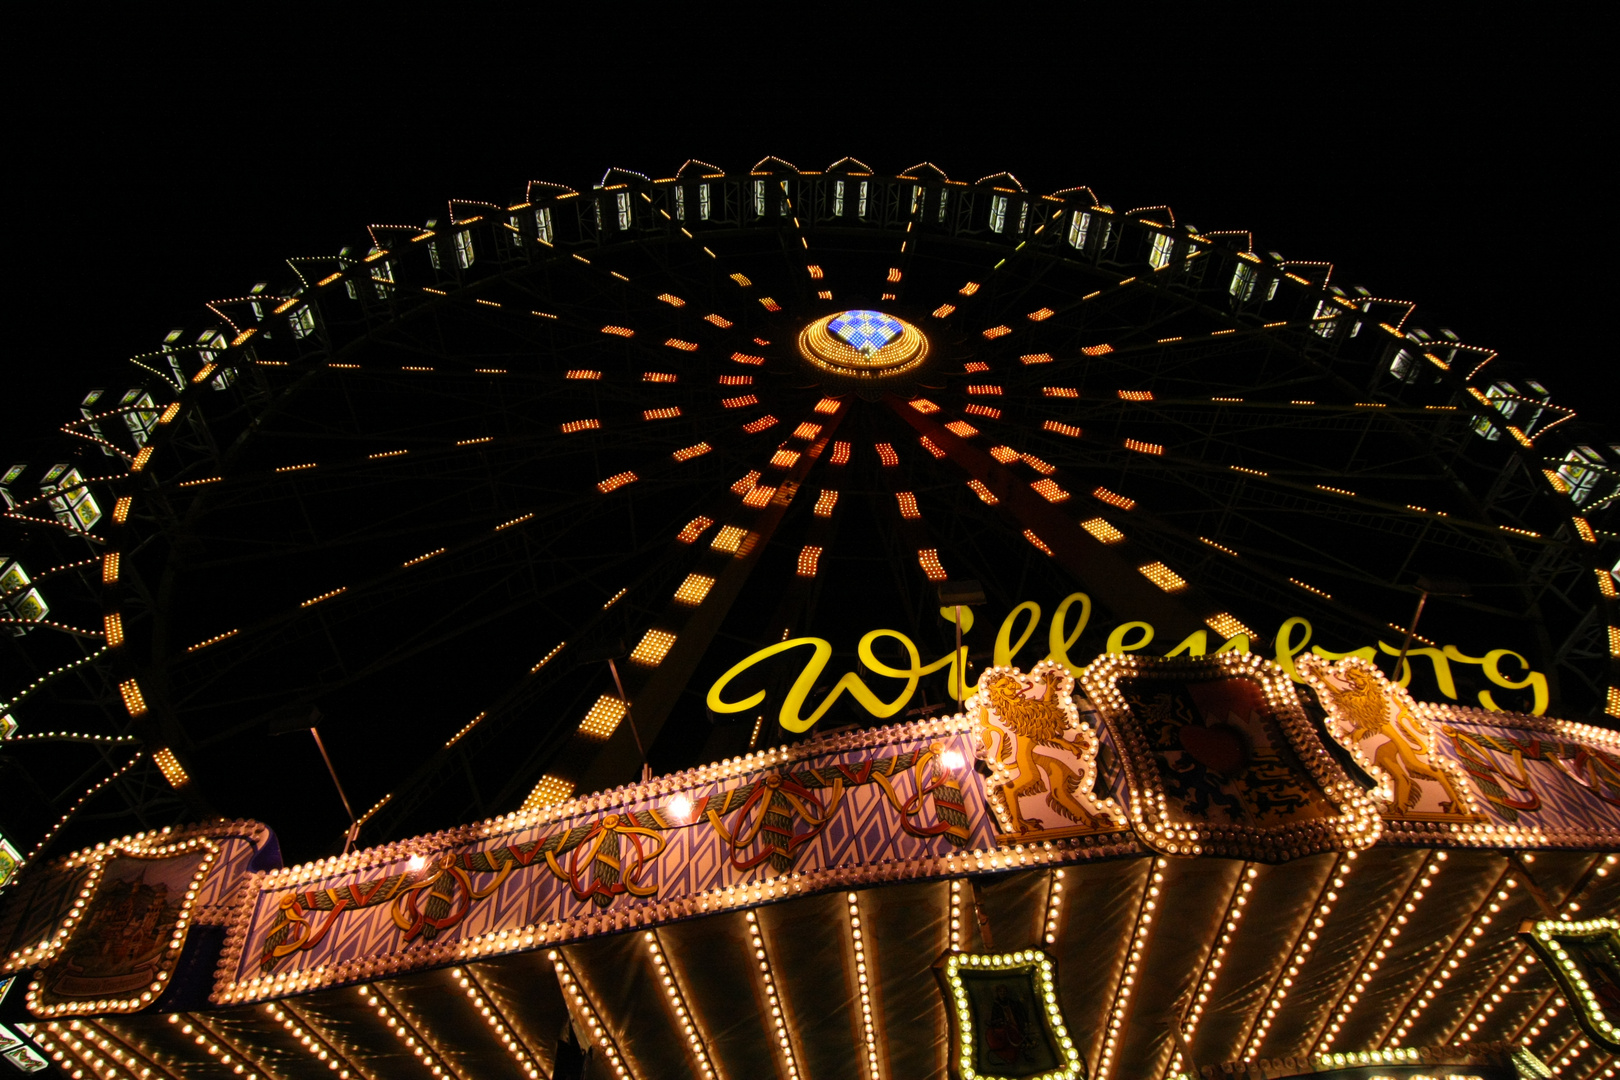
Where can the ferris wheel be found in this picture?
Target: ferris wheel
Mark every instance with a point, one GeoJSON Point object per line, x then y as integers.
{"type": "Point", "coordinates": [506, 505]}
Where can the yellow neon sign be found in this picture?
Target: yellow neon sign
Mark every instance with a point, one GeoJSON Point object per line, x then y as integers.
{"type": "Point", "coordinates": [1292, 639]}
{"type": "Point", "coordinates": [850, 683]}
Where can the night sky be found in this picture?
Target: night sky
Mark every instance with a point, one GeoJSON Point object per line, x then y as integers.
{"type": "Point", "coordinates": [157, 165]}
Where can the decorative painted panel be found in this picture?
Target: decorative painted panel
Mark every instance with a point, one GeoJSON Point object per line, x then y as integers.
{"type": "Point", "coordinates": [1222, 760]}
{"type": "Point", "coordinates": [891, 802]}
{"type": "Point", "coordinates": [1186, 757]}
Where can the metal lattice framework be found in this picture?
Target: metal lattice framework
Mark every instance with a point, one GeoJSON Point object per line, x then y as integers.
{"type": "Point", "coordinates": [407, 483]}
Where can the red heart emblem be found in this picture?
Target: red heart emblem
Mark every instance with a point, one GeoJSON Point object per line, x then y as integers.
{"type": "Point", "coordinates": [1220, 747]}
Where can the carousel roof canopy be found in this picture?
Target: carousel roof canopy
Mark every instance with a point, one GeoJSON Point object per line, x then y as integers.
{"type": "Point", "coordinates": [979, 895]}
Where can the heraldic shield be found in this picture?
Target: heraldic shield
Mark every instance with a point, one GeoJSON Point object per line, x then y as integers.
{"type": "Point", "coordinates": [1221, 760]}
{"type": "Point", "coordinates": [1042, 756]}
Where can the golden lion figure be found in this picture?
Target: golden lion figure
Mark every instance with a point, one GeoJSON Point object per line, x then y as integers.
{"type": "Point", "coordinates": [1361, 712]}
{"type": "Point", "coordinates": [1031, 724]}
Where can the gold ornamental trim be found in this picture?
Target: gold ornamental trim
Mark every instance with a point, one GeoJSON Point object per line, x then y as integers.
{"type": "Point", "coordinates": [819, 345]}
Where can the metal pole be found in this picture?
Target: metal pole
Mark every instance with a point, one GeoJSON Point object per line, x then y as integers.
{"type": "Point", "coordinates": [646, 766]}
{"type": "Point", "coordinates": [354, 826]}
{"type": "Point", "coordinates": [1423, 598]}
{"type": "Point", "coordinates": [961, 662]}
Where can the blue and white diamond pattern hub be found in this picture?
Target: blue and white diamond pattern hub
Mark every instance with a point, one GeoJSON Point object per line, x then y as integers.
{"type": "Point", "coordinates": [865, 344]}
{"type": "Point", "coordinates": [867, 331]}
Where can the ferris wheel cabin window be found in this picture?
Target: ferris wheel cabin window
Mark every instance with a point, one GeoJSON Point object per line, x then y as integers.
{"type": "Point", "coordinates": [1497, 393]}
{"type": "Point", "coordinates": [1023, 218]}
{"type": "Point", "coordinates": [1079, 225]}
{"type": "Point", "coordinates": [75, 507]}
{"type": "Point", "coordinates": [680, 203]}
{"type": "Point", "coordinates": [17, 600]}
{"type": "Point", "coordinates": [860, 206]}
{"type": "Point", "coordinates": [174, 361]}
{"type": "Point", "coordinates": [345, 265]}
{"type": "Point", "coordinates": [302, 321]}
{"type": "Point", "coordinates": [1159, 254]}
{"type": "Point", "coordinates": [11, 477]}
{"type": "Point", "coordinates": [1581, 470]}
{"type": "Point", "coordinates": [759, 198]}
{"type": "Point", "coordinates": [998, 213]}
{"type": "Point", "coordinates": [1242, 287]}
{"type": "Point", "coordinates": [22, 1055]}
{"type": "Point", "coordinates": [838, 198]}
{"type": "Point", "coordinates": [142, 416]}
{"type": "Point", "coordinates": [621, 201]}
{"type": "Point", "coordinates": [1405, 366]}
{"type": "Point", "coordinates": [916, 197]}
{"type": "Point", "coordinates": [542, 225]}
{"type": "Point", "coordinates": [704, 205]}
{"type": "Point", "coordinates": [464, 251]}
{"type": "Point", "coordinates": [1531, 388]}
{"type": "Point", "coordinates": [382, 278]}
{"type": "Point", "coordinates": [1322, 321]}
{"type": "Point", "coordinates": [382, 273]}
{"type": "Point", "coordinates": [944, 196]}
{"type": "Point", "coordinates": [212, 344]}
{"type": "Point", "coordinates": [95, 429]}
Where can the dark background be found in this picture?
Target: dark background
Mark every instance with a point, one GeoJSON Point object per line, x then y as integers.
{"type": "Point", "coordinates": [159, 164]}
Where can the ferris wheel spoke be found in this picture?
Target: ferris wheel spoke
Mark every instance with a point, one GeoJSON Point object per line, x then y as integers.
{"type": "Point", "coordinates": [1153, 460]}
{"type": "Point", "coordinates": [358, 472]}
{"type": "Point", "coordinates": [569, 514]}
{"type": "Point", "coordinates": [1161, 409]}
{"type": "Point", "coordinates": [1035, 507]}
{"type": "Point", "coordinates": [718, 277]}
{"type": "Point", "coordinates": [456, 758]}
{"type": "Point", "coordinates": [466, 616]}
{"type": "Point", "coordinates": [1144, 524]}
{"type": "Point", "coordinates": [537, 542]}
{"type": "Point", "coordinates": [1201, 483]}
{"type": "Point", "coordinates": [697, 609]}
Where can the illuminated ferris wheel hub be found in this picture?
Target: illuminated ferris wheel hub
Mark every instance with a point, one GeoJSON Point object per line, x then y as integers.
{"type": "Point", "coordinates": [865, 344]}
